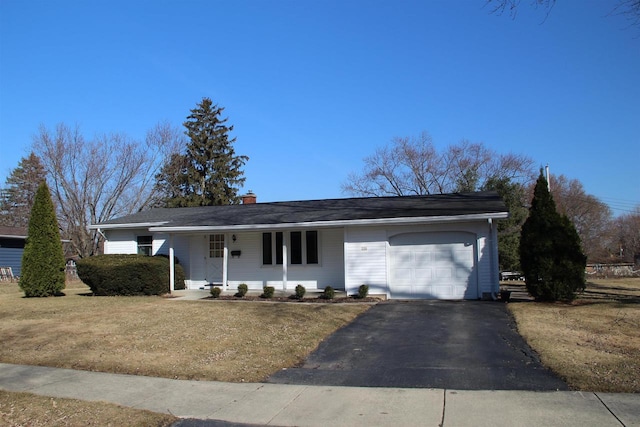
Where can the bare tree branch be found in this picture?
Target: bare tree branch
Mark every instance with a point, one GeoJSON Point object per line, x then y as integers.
{"type": "Point", "coordinates": [412, 165]}
{"type": "Point", "coordinates": [95, 180]}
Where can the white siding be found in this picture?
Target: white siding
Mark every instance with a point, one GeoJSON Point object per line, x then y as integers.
{"type": "Point", "coordinates": [366, 259]}
{"type": "Point", "coordinates": [248, 267]}
{"type": "Point", "coordinates": [122, 241]}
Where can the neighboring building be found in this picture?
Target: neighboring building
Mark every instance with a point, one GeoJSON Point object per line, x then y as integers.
{"type": "Point", "coordinates": [439, 246]}
{"type": "Point", "coordinates": [12, 242]}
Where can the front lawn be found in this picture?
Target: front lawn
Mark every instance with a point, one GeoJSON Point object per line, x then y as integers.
{"type": "Point", "coordinates": [155, 336]}
{"type": "Point", "coordinates": [594, 342]}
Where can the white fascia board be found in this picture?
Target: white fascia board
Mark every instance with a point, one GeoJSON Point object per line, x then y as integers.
{"type": "Point", "coordinates": [130, 225]}
{"type": "Point", "coordinates": [333, 224]}
{"type": "Point", "coordinates": [12, 236]}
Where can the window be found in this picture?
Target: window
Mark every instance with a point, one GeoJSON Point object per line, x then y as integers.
{"type": "Point", "coordinates": [216, 245]}
{"type": "Point", "coordinates": [296, 247]}
{"type": "Point", "coordinates": [267, 253]}
{"type": "Point", "coordinates": [312, 247]}
{"type": "Point", "coordinates": [303, 248]}
{"type": "Point", "coordinates": [145, 245]}
{"type": "Point", "coordinates": [268, 248]}
{"type": "Point", "coordinates": [279, 237]}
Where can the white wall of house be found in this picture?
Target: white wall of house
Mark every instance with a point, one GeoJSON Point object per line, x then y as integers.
{"type": "Point", "coordinates": [248, 267]}
{"type": "Point", "coordinates": [348, 257]}
{"type": "Point", "coordinates": [122, 241]}
{"type": "Point", "coordinates": [365, 253]}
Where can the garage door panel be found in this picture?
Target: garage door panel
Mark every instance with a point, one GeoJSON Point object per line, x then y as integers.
{"type": "Point", "coordinates": [433, 265]}
{"type": "Point", "coordinates": [444, 273]}
{"type": "Point", "coordinates": [400, 274]}
{"type": "Point", "coordinates": [423, 274]}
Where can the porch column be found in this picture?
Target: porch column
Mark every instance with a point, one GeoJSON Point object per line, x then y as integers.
{"type": "Point", "coordinates": [225, 262]}
{"type": "Point", "coordinates": [284, 261]}
{"type": "Point", "coordinates": [172, 266]}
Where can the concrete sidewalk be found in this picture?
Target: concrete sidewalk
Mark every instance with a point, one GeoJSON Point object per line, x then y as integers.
{"type": "Point", "coordinates": [297, 405]}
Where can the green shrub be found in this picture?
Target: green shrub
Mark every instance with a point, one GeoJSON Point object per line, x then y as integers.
{"type": "Point", "coordinates": [215, 291]}
{"type": "Point", "coordinates": [178, 274]}
{"type": "Point", "coordinates": [126, 274]}
{"type": "Point", "coordinates": [267, 292]}
{"type": "Point", "coordinates": [300, 291]}
{"type": "Point", "coordinates": [242, 290]}
{"type": "Point", "coordinates": [328, 293]}
{"type": "Point", "coordinates": [363, 291]}
{"type": "Point", "coordinates": [42, 260]}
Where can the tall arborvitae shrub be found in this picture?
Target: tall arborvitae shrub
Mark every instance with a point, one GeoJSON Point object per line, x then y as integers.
{"type": "Point", "coordinates": [42, 259]}
{"type": "Point", "coordinates": [552, 260]}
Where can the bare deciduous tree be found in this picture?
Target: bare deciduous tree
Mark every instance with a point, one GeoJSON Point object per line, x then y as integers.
{"type": "Point", "coordinates": [627, 229]}
{"type": "Point", "coordinates": [590, 216]}
{"type": "Point", "coordinates": [628, 8]}
{"type": "Point", "coordinates": [95, 180]}
{"type": "Point", "coordinates": [413, 166]}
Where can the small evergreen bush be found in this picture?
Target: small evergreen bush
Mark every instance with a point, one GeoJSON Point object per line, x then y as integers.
{"type": "Point", "coordinates": [328, 293]}
{"type": "Point", "coordinates": [267, 292]}
{"type": "Point", "coordinates": [242, 290]}
{"type": "Point", "coordinates": [118, 274]}
{"type": "Point", "coordinates": [300, 291]}
{"type": "Point", "coordinates": [363, 291]}
{"type": "Point", "coordinates": [215, 291]}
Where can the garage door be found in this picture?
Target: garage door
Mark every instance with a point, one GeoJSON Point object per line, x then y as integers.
{"type": "Point", "coordinates": [433, 265]}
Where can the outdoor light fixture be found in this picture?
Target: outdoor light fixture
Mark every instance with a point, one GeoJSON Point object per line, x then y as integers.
{"type": "Point", "coordinates": [233, 237]}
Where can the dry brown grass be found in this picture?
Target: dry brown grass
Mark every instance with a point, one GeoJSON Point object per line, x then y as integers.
{"type": "Point", "coordinates": [594, 342]}
{"type": "Point", "coordinates": [154, 336]}
{"type": "Point", "coordinates": [24, 409]}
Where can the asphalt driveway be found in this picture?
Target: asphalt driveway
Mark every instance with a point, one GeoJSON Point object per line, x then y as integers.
{"type": "Point", "coordinates": [463, 345]}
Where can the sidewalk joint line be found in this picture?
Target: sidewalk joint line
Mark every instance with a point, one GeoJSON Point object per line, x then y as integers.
{"type": "Point", "coordinates": [305, 388]}
{"type": "Point", "coordinates": [444, 406]}
{"type": "Point", "coordinates": [610, 411]}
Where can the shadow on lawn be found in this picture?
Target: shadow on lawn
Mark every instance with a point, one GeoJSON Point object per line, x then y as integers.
{"type": "Point", "coordinates": [594, 293]}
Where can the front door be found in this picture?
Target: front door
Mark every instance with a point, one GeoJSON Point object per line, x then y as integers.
{"type": "Point", "coordinates": [214, 258]}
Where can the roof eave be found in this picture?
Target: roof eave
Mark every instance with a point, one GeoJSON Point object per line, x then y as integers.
{"type": "Point", "coordinates": [12, 236]}
{"type": "Point", "coordinates": [333, 224]}
{"type": "Point", "coordinates": [126, 226]}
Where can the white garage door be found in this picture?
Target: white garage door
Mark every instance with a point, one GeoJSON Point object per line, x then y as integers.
{"type": "Point", "coordinates": [433, 265]}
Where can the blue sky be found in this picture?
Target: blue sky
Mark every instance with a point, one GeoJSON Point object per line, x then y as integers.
{"type": "Point", "coordinates": [312, 87]}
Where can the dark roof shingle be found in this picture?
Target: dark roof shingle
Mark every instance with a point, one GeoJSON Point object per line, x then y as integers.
{"type": "Point", "coordinates": [349, 209]}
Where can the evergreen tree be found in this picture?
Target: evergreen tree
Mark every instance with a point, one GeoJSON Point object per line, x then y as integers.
{"type": "Point", "coordinates": [42, 260]}
{"type": "Point", "coordinates": [20, 191]}
{"type": "Point", "coordinates": [210, 172]}
{"type": "Point", "coordinates": [514, 196]}
{"type": "Point", "coordinates": [550, 253]}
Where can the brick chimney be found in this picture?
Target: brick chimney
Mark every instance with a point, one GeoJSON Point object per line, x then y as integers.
{"type": "Point", "coordinates": [249, 198]}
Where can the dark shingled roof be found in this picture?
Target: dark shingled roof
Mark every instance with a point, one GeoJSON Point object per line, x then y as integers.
{"type": "Point", "coordinates": [322, 210]}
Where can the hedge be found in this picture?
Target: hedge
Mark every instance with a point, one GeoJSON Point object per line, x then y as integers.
{"type": "Point", "coordinates": [127, 274]}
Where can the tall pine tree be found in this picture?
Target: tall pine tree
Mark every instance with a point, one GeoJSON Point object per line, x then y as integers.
{"type": "Point", "coordinates": [209, 173]}
{"type": "Point", "coordinates": [20, 192]}
{"type": "Point", "coordinates": [42, 259]}
{"type": "Point", "coordinates": [514, 196]}
{"type": "Point", "coordinates": [550, 253]}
